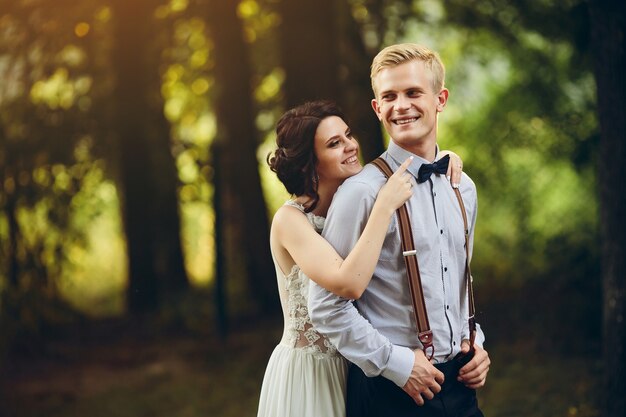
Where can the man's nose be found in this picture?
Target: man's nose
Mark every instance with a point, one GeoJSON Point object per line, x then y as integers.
{"type": "Point", "coordinates": [402, 104]}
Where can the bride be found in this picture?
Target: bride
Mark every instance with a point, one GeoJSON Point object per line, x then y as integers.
{"type": "Point", "coordinates": [316, 152]}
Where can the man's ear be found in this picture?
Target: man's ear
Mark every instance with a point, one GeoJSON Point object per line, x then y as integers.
{"type": "Point", "coordinates": [376, 108]}
{"type": "Point", "coordinates": [442, 99]}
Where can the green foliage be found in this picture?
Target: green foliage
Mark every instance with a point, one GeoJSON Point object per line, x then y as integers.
{"type": "Point", "coordinates": [51, 176]}
{"type": "Point", "coordinates": [521, 114]}
{"type": "Point", "coordinates": [187, 82]}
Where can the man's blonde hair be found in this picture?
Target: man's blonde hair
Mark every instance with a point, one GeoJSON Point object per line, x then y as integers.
{"type": "Point", "coordinates": [394, 55]}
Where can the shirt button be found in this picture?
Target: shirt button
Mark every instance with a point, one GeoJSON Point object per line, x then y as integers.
{"type": "Point", "coordinates": [441, 232]}
{"type": "Point", "coordinates": [434, 194]}
{"type": "Point", "coordinates": [445, 268]}
{"type": "Point", "coordinates": [447, 307]}
{"type": "Point", "coordinates": [454, 343]}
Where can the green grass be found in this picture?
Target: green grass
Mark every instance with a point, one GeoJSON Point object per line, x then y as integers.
{"type": "Point", "coordinates": [123, 373]}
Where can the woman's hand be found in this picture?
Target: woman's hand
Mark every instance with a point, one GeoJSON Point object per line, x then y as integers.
{"type": "Point", "coordinates": [397, 190]}
{"type": "Point", "coordinates": [455, 167]}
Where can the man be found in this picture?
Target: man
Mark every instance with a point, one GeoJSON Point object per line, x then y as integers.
{"type": "Point", "coordinates": [408, 84]}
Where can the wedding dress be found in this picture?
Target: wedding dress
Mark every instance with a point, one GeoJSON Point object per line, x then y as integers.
{"type": "Point", "coordinates": [305, 375]}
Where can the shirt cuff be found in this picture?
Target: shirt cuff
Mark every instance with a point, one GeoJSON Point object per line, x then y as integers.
{"type": "Point", "coordinates": [400, 365]}
{"type": "Point", "coordinates": [480, 336]}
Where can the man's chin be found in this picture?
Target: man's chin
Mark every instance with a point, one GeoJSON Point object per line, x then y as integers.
{"type": "Point", "coordinates": [405, 137]}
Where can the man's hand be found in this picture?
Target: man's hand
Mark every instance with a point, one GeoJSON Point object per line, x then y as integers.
{"type": "Point", "coordinates": [425, 380]}
{"type": "Point", "coordinates": [474, 373]}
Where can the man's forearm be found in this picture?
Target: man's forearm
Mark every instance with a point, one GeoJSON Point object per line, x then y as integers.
{"type": "Point", "coordinates": [356, 339]}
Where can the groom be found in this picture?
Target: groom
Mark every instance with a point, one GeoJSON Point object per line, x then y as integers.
{"type": "Point", "coordinates": [377, 333]}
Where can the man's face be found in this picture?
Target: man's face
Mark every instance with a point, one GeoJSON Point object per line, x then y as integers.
{"type": "Point", "coordinates": [407, 105]}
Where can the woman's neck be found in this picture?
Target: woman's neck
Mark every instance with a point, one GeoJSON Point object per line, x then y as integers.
{"type": "Point", "coordinates": [326, 193]}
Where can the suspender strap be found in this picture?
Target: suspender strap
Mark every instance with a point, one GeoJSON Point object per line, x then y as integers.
{"type": "Point", "coordinates": [468, 273]}
{"type": "Point", "coordinates": [424, 333]}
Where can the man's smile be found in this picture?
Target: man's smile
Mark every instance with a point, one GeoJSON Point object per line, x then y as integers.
{"type": "Point", "coordinates": [405, 121]}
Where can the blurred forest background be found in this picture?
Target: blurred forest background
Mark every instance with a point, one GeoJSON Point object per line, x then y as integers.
{"type": "Point", "coordinates": [135, 274]}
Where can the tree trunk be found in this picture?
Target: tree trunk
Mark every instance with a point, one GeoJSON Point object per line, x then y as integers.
{"type": "Point", "coordinates": [221, 305]}
{"type": "Point", "coordinates": [13, 264]}
{"type": "Point", "coordinates": [356, 86]}
{"type": "Point", "coordinates": [607, 36]}
{"type": "Point", "coordinates": [148, 171]}
{"type": "Point", "coordinates": [324, 58]}
{"type": "Point", "coordinates": [243, 205]}
{"type": "Point", "coordinates": [308, 44]}
{"type": "Point", "coordinates": [9, 207]}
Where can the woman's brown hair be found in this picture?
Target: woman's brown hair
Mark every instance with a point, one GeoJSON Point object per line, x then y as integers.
{"type": "Point", "coordinates": [294, 160]}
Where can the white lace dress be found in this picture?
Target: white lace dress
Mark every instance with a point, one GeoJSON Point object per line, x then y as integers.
{"type": "Point", "coordinates": [305, 376]}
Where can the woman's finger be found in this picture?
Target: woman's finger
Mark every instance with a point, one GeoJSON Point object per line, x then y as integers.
{"type": "Point", "coordinates": [455, 169]}
{"type": "Point", "coordinates": [402, 168]}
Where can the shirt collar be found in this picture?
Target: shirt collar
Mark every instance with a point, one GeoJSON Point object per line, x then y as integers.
{"type": "Point", "coordinates": [399, 155]}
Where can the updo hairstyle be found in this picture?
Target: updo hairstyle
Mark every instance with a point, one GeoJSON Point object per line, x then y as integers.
{"type": "Point", "coordinates": [294, 161]}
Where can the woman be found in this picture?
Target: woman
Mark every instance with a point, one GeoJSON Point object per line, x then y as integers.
{"type": "Point", "coordinates": [316, 152]}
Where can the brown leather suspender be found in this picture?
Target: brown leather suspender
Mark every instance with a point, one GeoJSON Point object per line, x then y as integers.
{"type": "Point", "coordinates": [468, 273]}
{"type": "Point", "coordinates": [425, 335]}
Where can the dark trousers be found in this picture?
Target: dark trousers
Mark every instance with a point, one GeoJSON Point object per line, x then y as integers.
{"type": "Point", "coordinates": [379, 397]}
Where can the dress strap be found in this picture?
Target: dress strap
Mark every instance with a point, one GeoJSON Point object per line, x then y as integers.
{"type": "Point", "coordinates": [294, 203]}
{"type": "Point", "coordinates": [316, 221]}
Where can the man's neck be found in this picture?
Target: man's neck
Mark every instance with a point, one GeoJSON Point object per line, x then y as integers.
{"type": "Point", "coordinates": [424, 149]}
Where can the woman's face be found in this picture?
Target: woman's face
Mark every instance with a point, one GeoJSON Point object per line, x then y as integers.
{"type": "Point", "coordinates": [336, 150]}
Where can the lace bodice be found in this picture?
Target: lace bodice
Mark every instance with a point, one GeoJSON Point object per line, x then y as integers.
{"type": "Point", "coordinates": [299, 331]}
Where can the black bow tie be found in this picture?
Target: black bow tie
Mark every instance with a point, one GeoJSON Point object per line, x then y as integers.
{"type": "Point", "coordinates": [438, 167]}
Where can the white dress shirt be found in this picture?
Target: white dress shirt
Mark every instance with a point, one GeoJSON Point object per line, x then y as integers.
{"type": "Point", "coordinates": [380, 336]}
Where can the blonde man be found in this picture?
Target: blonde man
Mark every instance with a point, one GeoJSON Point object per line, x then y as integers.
{"type": "Point", "coordinates": [377, 333]}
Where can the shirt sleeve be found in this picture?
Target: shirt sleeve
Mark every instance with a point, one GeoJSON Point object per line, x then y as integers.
{"type": "Point", "coordinates": [337, 318]}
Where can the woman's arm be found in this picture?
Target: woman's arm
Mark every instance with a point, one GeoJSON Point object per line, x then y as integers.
{"type": "Point", "coordinates": [318, 259]}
